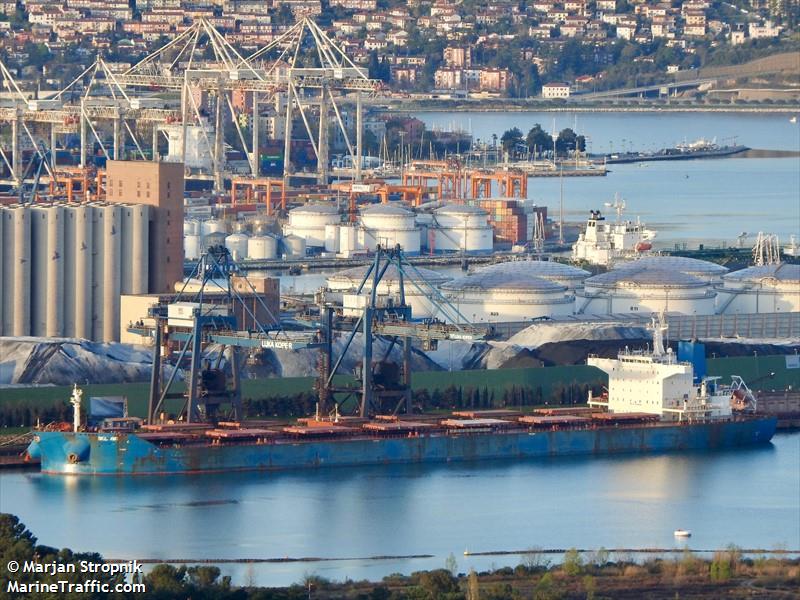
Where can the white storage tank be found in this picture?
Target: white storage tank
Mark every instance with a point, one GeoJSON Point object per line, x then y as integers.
{"type": "Point", "coordinates": [702, 269]}
{"type": "Point", "coordinates": [262, 247]}
{"type": "Point", "coordinates": [760, 289]}
{"type": "Point", "coordinates": [461, 228]}
{"type": "Point", "coordinates": [310, 221]}
{"type": "Point", "coordinates": [236, 243]}
{"type": "Point", "coordinates": [191, 247]}
{"type": "Point", "coordinates": [191, 227]}
{"type": "Point", "coordinates": [216, 238]}
{"type": "Point", "coordinates": [499, 296]}
{"type": "Point", "coordinates": [348, 239]}
{"type": "Point", "coordinates": [419, 285]}
{"type": "Point", "coordinates": [645, 291]}
{"type": "Point", "coordinates": [294, 246]}
{"type": "Point", "coordinates": [389, 225]}
{"type": "Point", "coordinates": [570, 277]}
{"type": "Point", "coordinates": [332, 238]}
{"type": "Point", "coordinates": [213, 226]}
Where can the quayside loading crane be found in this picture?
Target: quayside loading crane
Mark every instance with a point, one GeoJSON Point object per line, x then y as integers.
{"type": "Point", "coordinates": [195, 319]}
{"type": "Point", "coordinates": [384, 387]}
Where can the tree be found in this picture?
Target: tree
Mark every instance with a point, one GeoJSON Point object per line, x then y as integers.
{"type": "Point", "coordinates": [568, 141]}
{"type": "Point", "coordinates": [538, 139]}
{"type": "Point", "coordinates": [573, 563]}
{"type": "Point", "coordinates": [510, 139]}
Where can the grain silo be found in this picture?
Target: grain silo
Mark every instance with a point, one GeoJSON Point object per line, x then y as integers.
{"type": "Point", "coordinates": [47, 270]}
{"type": "Point", "coordinates": [110, 248]}
{"type": "Point", "coordinates": [16, 270]}
{"type": "Point", "coordinates": [78, 242]}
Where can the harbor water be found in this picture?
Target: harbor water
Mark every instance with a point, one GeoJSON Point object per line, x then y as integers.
{"type": "Point", "coordinates": [695, 202]}
{"type": "Point", "coordinates": [749, 497]}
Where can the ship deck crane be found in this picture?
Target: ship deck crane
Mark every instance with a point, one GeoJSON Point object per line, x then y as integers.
{"type": "Point", "coordinates": [194, 322]}
{"type": "Point", "coordinates": [381, 388]}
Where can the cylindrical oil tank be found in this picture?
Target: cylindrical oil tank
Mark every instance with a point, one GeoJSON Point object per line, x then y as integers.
{"type": "Point", "coordinates": [262, 247]}
{"type": "Point", "coordinates": [236, 243]}
{"type": "Point", "coordinates": [241, 227]}
{"type": "Point", "coordinates": [22, 270]}
{"type": "Point", "coordinates": [82, 252]}
{"type": "Point", "coordinates": [390, 225]}
{"type": "Point", "coordinates": [462, 228]}
{"type": "Point", "coordinates": [191, 246]}
{"type": "Point", "coordinates": [332, 238]}
{"type": "Point", "coordinates": [213, 226]}
{"type": "Point", "coordinates": [294, 246]}
{"type": "Point", "coordinates": [348, 239]}
{"type": "Point", "coordinates": [191, 227]}
{"type": "Point", "coordinates": [111, 244]}
{"type": "Point", "coordinates": [309, 222]}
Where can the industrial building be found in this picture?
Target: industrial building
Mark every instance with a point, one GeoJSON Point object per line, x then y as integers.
{"type": "Point", "coordinates": [498, 296]}
{"type": "Point", "coordinates": [160, 186]}
{"type": "Point", "coordinates": [418, 287]}
{"type": "Point", "coordinates": [760, 289]}
{"type": "Point", "coordinates": [645, 290]}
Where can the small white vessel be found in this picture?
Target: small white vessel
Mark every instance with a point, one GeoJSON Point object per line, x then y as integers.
{"type": "Point", "coordinates": [683, 533]}
{"type": "Point", "coordinates": [603, 242]}
{"type": "Point", "coordinates": [793, 120]}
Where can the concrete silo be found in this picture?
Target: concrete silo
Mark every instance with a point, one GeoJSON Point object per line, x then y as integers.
{"type": "Point", "coordinates": [47, 270]}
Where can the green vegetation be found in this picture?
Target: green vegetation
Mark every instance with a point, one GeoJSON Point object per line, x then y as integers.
{"type": "Point", "coordinates": [727, 575]}
{"type": "Point", "coordinates": [290, 397]}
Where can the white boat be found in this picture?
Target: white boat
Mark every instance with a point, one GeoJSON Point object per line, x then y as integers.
{"type": "Point", "coordinates": [683, 533]}
{"type": "Point", "coordinates": [793, 120]}
{"type": "Point", "coordinates": [603, 242]}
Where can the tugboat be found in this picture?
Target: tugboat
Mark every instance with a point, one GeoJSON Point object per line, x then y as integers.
{"type": "Point", "coordinates": [602, 243]}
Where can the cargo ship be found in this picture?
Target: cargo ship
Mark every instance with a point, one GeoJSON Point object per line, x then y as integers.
{"type": "Point", "coordinates": [654, 403]}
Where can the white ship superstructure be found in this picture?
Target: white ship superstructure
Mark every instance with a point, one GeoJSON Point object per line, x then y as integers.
{"type": "Point", "coordinates": [603, 242]}
{"type": "Point", "coordinates": [658, 384]}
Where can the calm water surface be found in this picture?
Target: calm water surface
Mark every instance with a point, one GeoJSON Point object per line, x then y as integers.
{"type": "Point", "coordinates": [750, 497]}
{"type": "Point", "coordinates": [701, 201]}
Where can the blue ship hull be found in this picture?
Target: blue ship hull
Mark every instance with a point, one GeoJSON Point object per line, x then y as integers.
{"type": "Point", "coordinates": [129, 454]}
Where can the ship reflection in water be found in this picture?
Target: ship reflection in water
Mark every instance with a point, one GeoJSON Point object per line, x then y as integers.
{"type": "Point", "coordinates": [588, 502]}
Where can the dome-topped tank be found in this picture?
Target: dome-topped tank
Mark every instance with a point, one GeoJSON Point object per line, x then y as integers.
{"type": "Point", "coordinates": [644, 289]}
{"type": "Point", "coordinates": [309, 222]}
{"type": "Point", "coordinates": [389, 225]}
{"type": "Point", "coordinates": [567, 275]}
{"type": "Point", "coordinates": [760, 289]}
{"type": "Point", "coordinates": [495, 296]}
{"type": "Point", "coordinates": [703, 269]}
{"type": "Point", "coordinates": [460, 227]}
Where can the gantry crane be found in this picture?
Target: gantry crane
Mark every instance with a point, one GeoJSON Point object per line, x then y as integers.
{"type": "Point", "coordinates": [384, 386]}
{"type": "Point", "coordinates": [194, 322]}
